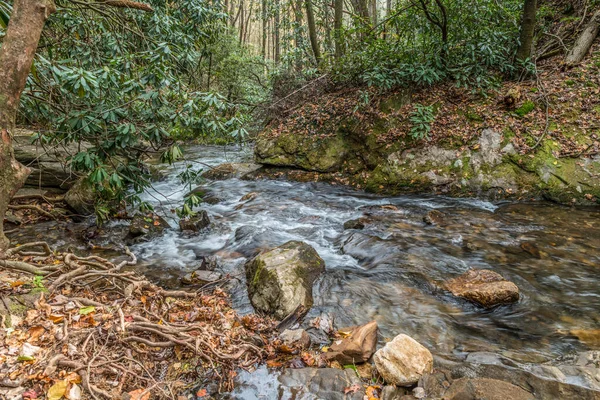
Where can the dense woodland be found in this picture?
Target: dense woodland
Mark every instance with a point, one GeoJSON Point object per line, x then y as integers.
{"type": "Point", "coordinates": [128, 83]}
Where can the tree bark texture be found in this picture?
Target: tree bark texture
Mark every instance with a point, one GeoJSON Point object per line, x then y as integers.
{"type": "Point", "coordinates": [312, 30]}
{"type": "Point", "coordinates": [16, 57]}
{"type": "Point", "coordinates": [527, 30]}
{"type": "Point", "coordinates": [338, 16]}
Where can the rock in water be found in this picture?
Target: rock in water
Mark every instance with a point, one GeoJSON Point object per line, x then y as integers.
{"type": "Point", "coordinates": [200, 277]}
{"type": "Point", "coordinates": [483, 388]}
{"type": "Point", "coordinates": [357, 347]}
{"type": "Point", "coordinates": [281, 279]}
{"type": "Point", "coordinates": [146, 226]}
{"type": "Point", "coordinates": [196, 222]}
{"type": "Point", "coordinates": [434, 217]}
{"type": "Point", "coordinates": [81, 197]}
{"type": "Point", "coordinates": [403, 361]}
{"type": "Point", "coordinates": [354, 224]}
{"type": "Point", "coordinates": [484, 287]}
{"type": "Point", "coordinates": [230, 170]}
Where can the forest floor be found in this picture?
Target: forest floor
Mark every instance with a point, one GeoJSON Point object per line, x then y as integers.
{"type": "Point", "coordinates": [562, 104]}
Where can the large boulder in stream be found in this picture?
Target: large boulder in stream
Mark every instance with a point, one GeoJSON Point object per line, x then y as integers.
{"type": "Point", "coordinates": [403, 361]}
{"type": "Point", "coordinates": [281, 279]}
{"type": "Point", "coordinates": [196, 222]}
{"type": "Point", "coordinates": [484, 287]}
{"type": "Point", "coordinates": [81, 197]}
{"type": "Point", "coordinates": [230, 170]}
{"type": "Point", "coordinates": [144, 227]}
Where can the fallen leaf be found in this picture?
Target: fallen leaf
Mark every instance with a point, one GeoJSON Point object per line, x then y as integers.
{"type": "Point", "coordinates": [16, 284]}
{"type": "Point", "coordinates": [35, 332]}
{"type": "Point", "coordinates": [74, 393]}
{"type": "Point", "coordinates": [140, 394]}
{"type": "Point", "coordinates": [30, 394]}
{"type": "Point", "coordinates": [274, 364]}
{"type": "Point", "coordinates": [56, 318]}
{"type": "Point", "coordinates": [352, 389]}
{"type": "Point", "coordinates": [73, 377]}
{"type": "Point", "coordinates": [57, 390]}
{"type": "Point", "coordinates": [202, 393]}
{"type": "Point", "coordinates": [87, 310]}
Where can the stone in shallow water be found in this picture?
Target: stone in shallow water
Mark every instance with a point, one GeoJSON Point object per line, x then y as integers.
{"type": "Point", "coordinates": [281, 279]}
{"type": "Point", "coordinates": [403, 361]}
{"type": "Point", "coordinates": [196, 222]}
{"type": "Point", "coordinates": [230, 170]}
{"type": "Point", "coordinates": [357, 347]}
{"type": "Point", "coordinates": [200, 276]}
{"type": "Point", "coordinates": [354, 224]}
{"type": "Point", "coordinates": [434, 217]}
{"type": "Point", "coordinates": [484, 287]}
{"type": "Point", "coordinates": [484, 388]}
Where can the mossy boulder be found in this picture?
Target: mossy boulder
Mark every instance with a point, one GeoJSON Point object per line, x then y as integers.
{"type": "Point", "coordinates": [305, 152]}
{"type": "Point", "coordinates": [144, 227]}
{"type": "Point", "coordinates": [196, 222]}
{"type": "Point", "coordinates": [230, 170]}
{"type": "Point", "coordinates": [282, 279]}
{"type": "Point", "coordinates": [81, 197]}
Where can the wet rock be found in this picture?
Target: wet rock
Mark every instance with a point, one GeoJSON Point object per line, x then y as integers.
{"type": "Point", "coordinates": [354, 224]}
{"type": "Point", "coordinates": [146, 226]}
{"type": "Point", "coordinates": [484, 287]}
{"type": "Point", "coordinates": [484, 388]}
{"type": "Point", "coordinates": [196, 222]}
{"type": "Point", "coordinates": [249, 196]}
{"type": "Point", "coordinates": [200, 277]}
{"type": "Point", "coordinates": [590, 337]}
{"type": "Point", "coordinates": [403, 361]}
{"type": "Point", "coordinates": [208, 263]}
{"type": "Point", "coordinates": [434, 217]}
{"type": "Point", "coordinates": [281, 279]}
{"type": "Point", "coordinates": [296, 338]}
{"type": "Point", "coordinates": [391, 392]}
{"type": "Point", "coordinates": [357, 347]}
{"type": "Point", "coordinates": [321, 383]}
{"type": "Point", "coordinates": [531, 248]}
{"type": "Point", "coordinates": [230, 170]}
{"type": "Point", "coordinates": [81, 197]}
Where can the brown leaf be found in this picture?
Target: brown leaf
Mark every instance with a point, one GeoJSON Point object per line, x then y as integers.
{"type": "Point", "coordinates": [352, 389]}
{"type": "Point", "coordinates": [140, 394]}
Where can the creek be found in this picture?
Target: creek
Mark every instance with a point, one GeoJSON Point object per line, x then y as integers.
{"type": "Point", "coordinates": [392, 271]}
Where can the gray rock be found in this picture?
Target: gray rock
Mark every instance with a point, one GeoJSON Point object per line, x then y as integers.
{"type": "Point", "coordinates": [81, 197]}
{"type": "Point", "coordinates": [281, 279]}
{"type": "Point", "coordinates": [403, 361]}
{"type": "Point", "coordinates": [200, 277]}
{"type": "Point", "coordinates": [48, 163]}
{"type": "Point", "coordinates": [391, 392]}
{"type": "Point", "coordinates": [322, 383]}
{"type": "Point", "coordinates": [295, 337]}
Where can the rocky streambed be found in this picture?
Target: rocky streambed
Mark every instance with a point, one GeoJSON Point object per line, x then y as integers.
{"type": "Point", "coordinates": [410, 263]}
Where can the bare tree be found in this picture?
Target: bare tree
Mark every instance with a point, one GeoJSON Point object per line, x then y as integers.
{"type": "Point", "coordinates": [527, 30]}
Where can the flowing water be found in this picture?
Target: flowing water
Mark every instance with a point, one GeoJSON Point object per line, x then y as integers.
{"type": "Point", "coordinates": [392, 271]}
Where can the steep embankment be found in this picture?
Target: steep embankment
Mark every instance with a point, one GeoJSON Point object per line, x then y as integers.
{"type": "Point", "coordinates": [534, 139]}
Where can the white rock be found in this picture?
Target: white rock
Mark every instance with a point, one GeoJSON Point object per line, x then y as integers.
{"type": "Point", "coordinates": [29, 350]}
{"type": "Point", "coordinates": [403, 361]}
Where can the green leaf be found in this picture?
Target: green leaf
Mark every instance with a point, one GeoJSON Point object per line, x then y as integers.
{"type": "Point", "coordinates": [87, 310]}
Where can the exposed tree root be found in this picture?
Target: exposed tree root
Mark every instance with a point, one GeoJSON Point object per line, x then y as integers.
{"type": "Point", "coordinates": [113, 332]}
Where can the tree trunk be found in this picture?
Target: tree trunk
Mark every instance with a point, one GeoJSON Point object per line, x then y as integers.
{"type": "Point", "coordinates": [264, 29]}
{"type": "Point", "coordinates": [527, 30]}
{"type": "Point", "coordinates": [374, 12]}
{"type": "Point", "coordinates": [312, 30]}
{"type": "Point", "coordinates": [585, 40]}
{"type": "Point", "coordinates": [276, 30]}
{"type": "Point", "coordinates": [16, 57]}
{"type": "Point", "coordinates": [338, 7]}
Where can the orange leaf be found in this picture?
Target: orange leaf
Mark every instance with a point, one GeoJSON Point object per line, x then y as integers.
{"type": "Point", "coordinates": [35, 332]}
{"type": "Point", "coordinates": [202, 393]}
{"type": "Point", "coordinates": [17, 283]}
{"type": "Point", "coordinates": [56, 318]}
{"type": "Point", "coordinates": [140, 394]}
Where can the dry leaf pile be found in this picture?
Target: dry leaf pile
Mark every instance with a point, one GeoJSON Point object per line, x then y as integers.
{"type": "Point", "coordinates": [99, 331]}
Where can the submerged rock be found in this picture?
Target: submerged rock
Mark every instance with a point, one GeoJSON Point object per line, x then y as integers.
{"type": "Point", "coordinates": [484, 388]}
{"type": "Point", "coordinates": [81, 197]}
{"type": "Point", "coordinates": [484, 287]}
{"type": "Point", "coordinates": [281, 279]}
{"type": "Point", "coordinates": [354, 224]}
{"type": "Point", "coordinates": [403, 361]}
{"type": "Point", "coordinates": [357, 347]}
{"type": "Point", "coordinates": [230, 170]}
{"type": "Point", "coordinates": [196, 222]}
{"type": "Point", "coordinates": [321, 383]}
{"type": "Point", "coordinates": [434, 217]}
